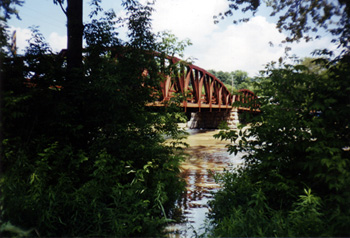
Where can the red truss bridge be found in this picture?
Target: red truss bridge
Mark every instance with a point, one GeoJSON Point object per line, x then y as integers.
{"type": "Point", "coordinates": [199, 88]}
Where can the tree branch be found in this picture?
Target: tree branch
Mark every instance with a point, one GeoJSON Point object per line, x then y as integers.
{"type": "Point", "coordinates": [60, 2]}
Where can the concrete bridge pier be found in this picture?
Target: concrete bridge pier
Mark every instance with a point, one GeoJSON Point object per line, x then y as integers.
{"type": "Point", "coordinates": [211, 120]}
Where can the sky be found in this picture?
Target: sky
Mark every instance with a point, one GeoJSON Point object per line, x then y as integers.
{"type": "Point", "coordinates": [223, 46]}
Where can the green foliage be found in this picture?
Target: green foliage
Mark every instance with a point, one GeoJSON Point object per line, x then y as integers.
{"type": "Point", "coordinates": [170, 44]}
{"type": "Point", "coordinates": [313, 65]}
{"type": "Point", "coordinates": [299, 140]}
{"type": "Point", "coordinates": [8, 8]}
{"type": "Point", "coordinates": [225, 77]}
{"type": "Point", "coordinates": [240, 78]}
{"type": "Point", "coordinates": [86, 157]}
{"type": "Point", "coordinates": [248, 213]}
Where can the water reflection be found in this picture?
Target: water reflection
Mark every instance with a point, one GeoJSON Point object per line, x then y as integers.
{"type": "Point", "coordinates": [206, 153]}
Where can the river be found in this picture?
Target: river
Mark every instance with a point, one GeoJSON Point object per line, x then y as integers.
{"type": "Point", "coordinates": [205, 153]}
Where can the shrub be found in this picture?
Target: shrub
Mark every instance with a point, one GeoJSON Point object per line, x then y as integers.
{"type": "Point", "coordinates": [82, 155]}
{"type": "Point", "coordinates": [299, 140]}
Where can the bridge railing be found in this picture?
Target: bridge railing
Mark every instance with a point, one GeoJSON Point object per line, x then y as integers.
{"type": "Point", "coordinates": [200, 88]}
{"type": "Point", "coordinates": [246, 100]}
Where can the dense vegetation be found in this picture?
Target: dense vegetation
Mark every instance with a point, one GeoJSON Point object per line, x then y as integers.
{"type": "Point", "coordinates": [235, 80]}
{"type": "Point", "coordinates": [240, 79]}
{"type": "Point", "coordinates": [83, 156]}
{"type": "Point", "coordinates": [295, 177]}
{"type": "Point", "coordinates": [81, 153]}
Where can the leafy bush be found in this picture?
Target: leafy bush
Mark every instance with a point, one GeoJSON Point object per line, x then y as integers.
{"type": "Point", "coordinates": [242, 209]}
{"type": "Point", "coordinates": [82, 155]}
{"type": "Point", "coordinates": [299, 140]}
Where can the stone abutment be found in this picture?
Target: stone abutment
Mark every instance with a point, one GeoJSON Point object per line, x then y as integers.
{"type": "Point", "coordinates": [212, 120]}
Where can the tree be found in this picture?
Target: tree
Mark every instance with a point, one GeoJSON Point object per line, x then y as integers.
{"type": "Point", "coordinates": [225, 77]}
{"type": "Point", "coordinates": [298, 143]}
{"type": "Point", "coordinates": [301, 19]}
{"type": "Point", "coordinates": [295, 177]}
{"type": "Point", "coordinates": [74, 33]}
{"type": "Point", "coordinates": [7, 9]}
{"type": "Point", "coordinates": [240, 79]}
{"type": "Point", "coordinates": [170, 44]}
{"type": "Point", "coordinates": [313, 65]}
{"type": "Point", "coordinates": [87, 157]}
{"type": "Point", "coordinates": [74, 13]}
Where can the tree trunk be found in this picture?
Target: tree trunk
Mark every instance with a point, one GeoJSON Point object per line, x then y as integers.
{"type": "Point", "coordinates": [75, 34]}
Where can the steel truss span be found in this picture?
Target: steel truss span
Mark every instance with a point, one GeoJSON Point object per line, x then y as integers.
{"type": "Point", "coordinates": [197, 88]}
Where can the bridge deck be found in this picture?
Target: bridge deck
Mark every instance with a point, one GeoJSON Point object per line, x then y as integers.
{"type": "Point", "coordinates": [191, 105]}
{"type": "Point", "coordinates": [204, 106]}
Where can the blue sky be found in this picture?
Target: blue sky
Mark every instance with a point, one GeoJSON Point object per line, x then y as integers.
{"type": "Point", "coordinates": [222, 46]}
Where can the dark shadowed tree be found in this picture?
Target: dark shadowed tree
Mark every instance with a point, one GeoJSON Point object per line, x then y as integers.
{"type": "Point", "coordinates": [7, 10]}
{"type": "Point", "coordinates": [87, 157]}
{"type": "Point", "coordinates": [75, 27]}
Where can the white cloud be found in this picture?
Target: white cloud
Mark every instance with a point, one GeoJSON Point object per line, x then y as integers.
{"type": "Point", "coordinates": [223, 46]}
{"type": "Point", "coordinates": [218, 46]}
{"type": "Point", "coordinates": [187, 18]}
{"type": "Point", "coordinates": [241, 47]}
{"type": "Point", "coordinates": [57, 42]}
